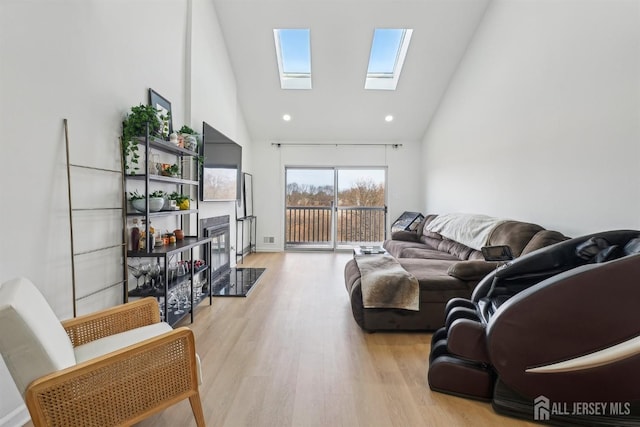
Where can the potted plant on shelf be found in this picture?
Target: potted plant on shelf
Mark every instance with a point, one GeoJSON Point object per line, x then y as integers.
{"type": "Point", "coordinates": [182, 200]}
{"type": "Point", "coordinates": [138, 201]}
{"type": "Point", "coordinates": [135, 125]}
{"type": "Point", "coordinates": [170, 170]}
{"type": "Point", "coordinates": [189, 137]}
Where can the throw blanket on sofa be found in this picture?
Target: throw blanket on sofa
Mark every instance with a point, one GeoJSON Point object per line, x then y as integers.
{"type": "Point", "coordinates": [385, 284]}
{"type": "Point", "coordinates": [472, 230]}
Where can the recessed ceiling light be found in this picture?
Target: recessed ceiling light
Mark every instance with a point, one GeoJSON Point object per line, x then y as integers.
{"type": "Point", "coordinates": [388, 118]}
{"type": "Point", "coordinates": [286, 117]}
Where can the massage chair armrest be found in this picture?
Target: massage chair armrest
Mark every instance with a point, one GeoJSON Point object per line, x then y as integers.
{"type": "Point", "coordinates": [584, 310]}
{"type": "Point", "coordinates": [559, 256]}
{"type": "Point", "coordinates": [468, 339]}
{"type": "Point", "coordinates": [530, 269]}
{"type": "Point", "coordinates": [547, 262]}
{"type": "Point", "coordinates": [483, 287]}
{"type": "Point", "coordinates": [492, 285]}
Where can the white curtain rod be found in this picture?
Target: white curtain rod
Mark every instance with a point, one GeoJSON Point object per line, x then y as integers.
{"type": "Point", "coordinates": [315, 144]}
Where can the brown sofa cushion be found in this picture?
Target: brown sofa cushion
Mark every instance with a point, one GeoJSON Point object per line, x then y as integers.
{"type": "Point", "coordinates": [471, 270]}
{"type": "Point", "coordinates": [415, 252]}
{"type": "Point", "coordinates": [542, 239]}
{"type": "Point", "coordinates": [515, 234]}
{"type": "Point", "coordinates": [457, 249]}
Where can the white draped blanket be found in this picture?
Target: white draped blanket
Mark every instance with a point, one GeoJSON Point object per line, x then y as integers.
{"type": "Point", "coordinates": [386, 284]}
{"type": "Point", "coordinates": [471, 230]}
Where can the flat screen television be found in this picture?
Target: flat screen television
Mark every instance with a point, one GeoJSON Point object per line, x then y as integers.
{"type": "Point", "coordinates": [222, 168]}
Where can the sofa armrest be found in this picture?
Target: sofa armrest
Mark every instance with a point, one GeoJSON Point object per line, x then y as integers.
{"type": "Point", "coordinates": [471, 270]}
{"type": "Point", "coordinates": [114, 320]}
{"type": "Point", "coordinates": [407, 236]}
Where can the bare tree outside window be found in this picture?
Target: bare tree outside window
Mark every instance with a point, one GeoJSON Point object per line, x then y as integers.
{"type": "Point", "coordinates": [312, 200]}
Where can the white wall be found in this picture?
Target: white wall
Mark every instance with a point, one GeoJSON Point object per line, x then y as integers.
{"type": "Point", "coordinates": [403, 178]}
{"type": "Point", "coordinates": [89, 61]}
{"type": "Point", "coordinates": [541, 121]}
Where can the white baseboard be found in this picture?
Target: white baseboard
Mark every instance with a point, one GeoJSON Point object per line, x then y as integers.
{"type": "Point", "coordinates": [16, 418]}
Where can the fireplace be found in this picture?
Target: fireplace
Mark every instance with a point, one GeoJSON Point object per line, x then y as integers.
{"type": "Point", "coordinates": [219, 255]}
{"type": "Point", "coordinates": [225, 281]}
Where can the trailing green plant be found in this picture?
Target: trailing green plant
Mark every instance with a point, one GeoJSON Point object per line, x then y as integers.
{"type": "Point", "coordinates": [172, 170]}
{"type": "Point", "coordinates": [164, 119]}
{"type": "Point", "coordinates": [135, 125]}
{"type": "Point", "coordinates": [187, 130]}
{"type": "Point", "coordinates": [158, 193]}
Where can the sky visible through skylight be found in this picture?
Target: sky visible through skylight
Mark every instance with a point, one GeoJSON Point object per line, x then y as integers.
{"type": "Point", "coordinates": [384, 50]}
{"type": "Point", "coordinates": [387, 54]}
{"type": "Point", "coordinates": [296, 52]}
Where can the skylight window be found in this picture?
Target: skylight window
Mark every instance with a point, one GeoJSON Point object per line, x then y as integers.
{"type": "Point", "coordinates": [388, 51]}
{"type": "Point", "coordinates": [293, 50]}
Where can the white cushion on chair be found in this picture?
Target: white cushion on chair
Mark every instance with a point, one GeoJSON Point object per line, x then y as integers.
{"type": "Point", "coordinates": [33, 342]}
{"type": "Point", "coordinates": [115, 342]}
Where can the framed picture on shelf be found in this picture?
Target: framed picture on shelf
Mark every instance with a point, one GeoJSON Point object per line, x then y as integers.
{"type": "Point", "coordinates": [247, 193]}
{"type": "Point", "coordinates": [163, 106]}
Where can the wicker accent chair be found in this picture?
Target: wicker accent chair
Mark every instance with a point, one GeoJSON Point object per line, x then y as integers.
{"type": "Point", "coordinates": [110, 368]}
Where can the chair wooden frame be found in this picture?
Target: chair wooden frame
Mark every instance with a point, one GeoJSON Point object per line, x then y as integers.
{"type": "Point", "coordinates": [122, 387]}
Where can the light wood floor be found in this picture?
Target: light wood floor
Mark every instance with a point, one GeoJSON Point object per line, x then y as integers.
{"type": "Point", "coordinates": [291, 354]}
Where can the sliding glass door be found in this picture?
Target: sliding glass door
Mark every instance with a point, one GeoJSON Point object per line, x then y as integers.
{"type": "Point", "coordinates": [361, 202]}
{"type": "Point", "coordinates": [319, 217]}
{"type": "Point", "coordinates": [309, 199]}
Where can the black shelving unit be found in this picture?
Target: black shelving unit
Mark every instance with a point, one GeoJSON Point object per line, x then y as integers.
{"type": "Point", "coordinates": [162, 256]}
{"type": "Point", "coordinates": [182, 248]}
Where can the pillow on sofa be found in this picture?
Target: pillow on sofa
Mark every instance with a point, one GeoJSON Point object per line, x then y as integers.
{"type": "Point", "coordinates": [471, 270]}
{"type": "Point", "coordinates": [407, 236]}
{"type": "Point", "coordinates": [542, 239]}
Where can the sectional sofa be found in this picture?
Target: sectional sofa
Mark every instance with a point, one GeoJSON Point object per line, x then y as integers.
{"type": "Point", "coordinates": [444, 255]}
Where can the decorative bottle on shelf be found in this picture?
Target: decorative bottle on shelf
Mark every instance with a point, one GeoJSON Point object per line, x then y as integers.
{"type": "Point", "coordinates": [141, 242]}
{"type": "Point", "coordinates": [135, 235]}
{"type": "Point", "coordinates": [151, 241]}
{"type": "Point", "coordinates": [147, 241]}
{"type": "Point", "coordinates": [158, 239]}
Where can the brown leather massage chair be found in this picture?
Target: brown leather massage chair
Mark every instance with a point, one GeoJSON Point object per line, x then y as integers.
{"type": "Point", "coordinates": [560, 325]}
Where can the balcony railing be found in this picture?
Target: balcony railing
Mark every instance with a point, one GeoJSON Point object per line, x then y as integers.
{"type": "Point", "coordinates": [312, 225]}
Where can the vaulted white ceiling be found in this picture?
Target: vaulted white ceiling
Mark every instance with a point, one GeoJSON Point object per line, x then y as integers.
{"type": "Point", "coordinates": [338, 108]}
